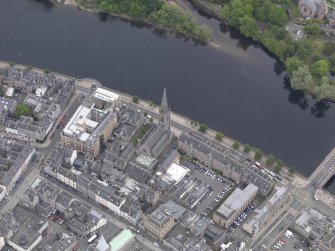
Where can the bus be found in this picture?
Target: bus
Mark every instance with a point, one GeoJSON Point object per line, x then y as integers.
{"type": "Point", "coordinates": [92, 238]}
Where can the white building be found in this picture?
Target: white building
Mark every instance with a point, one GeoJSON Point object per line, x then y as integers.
{"type": "Point", "coordinates": [175, 173]}
{"type": "Point", "coordinates": [107, 96]}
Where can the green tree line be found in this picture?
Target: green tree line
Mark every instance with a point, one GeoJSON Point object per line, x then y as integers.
{"type": "Point", "coordinates": [157, 12]}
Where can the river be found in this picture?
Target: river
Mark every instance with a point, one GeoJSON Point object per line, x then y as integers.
{"type": "Point", "coordinates": [236, 88]}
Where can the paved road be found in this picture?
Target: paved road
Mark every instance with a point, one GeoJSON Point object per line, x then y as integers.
{"type": "Point", "coordinates": [119, 222]}
{"type": "Point", "coordinates": [266, 240]}
{"type": "Point", "coordinates": [12, 200]}
{"type": "Point", "coordinates": [322, 174]}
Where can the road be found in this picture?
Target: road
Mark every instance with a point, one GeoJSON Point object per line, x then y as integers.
{"type": "Point", "coordinates": [111, 217]}
{"type": "Point", "coordinates": [324, 171]}
{"type": "Point", "coordinates": [265, 241]}
{"type": "Point", "coordinates": [12, 200]}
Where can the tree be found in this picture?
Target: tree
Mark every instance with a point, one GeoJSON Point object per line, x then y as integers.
{"type": "Point", "coordinates": [46, 71]}
{"type": "Point", "coordinates": [236, 145]}
{"type": "Point", "coordinates": [279, 165]}
{"type": "Point", "coordinates": [324, 91]}
{"type": "Point", "coordinates": [320, 68]}
{"type": "Point", "coordinates": [203, 128]}
{"type": "Point", "coordinates": [280, 32]}
{"type": "Point", "coordinates": [145, 114]}
{"type": "Point", "coordinates": [136, 99]}
{"type": "Point", "coordinates": [258, 154]}
{"type": "Point", "coordinates": [248, 27]}
{"type": "Point", "coordinates": [277, 16]}
{"type": "Point", "coordinates": [292, 64]}
{"type": "Point", "coordinates": [332, 60]}
{"type": "Point", "coordinates": [270, 160]}
{"type": "Point", "coordinates": [247, 148]}
{"type": "Point", "coordinates": [278, 47]}
{"type": "Point", "coordinates": [22, 110]}
{"type": "Point", "coordinates": [312, 29]}
{"type": "Point", "coordinates": [325, 80]}
{"type": "Point", "coordinates": [329, 49]}
{"type": "Point", "coordinates": [304, 48]}
{"type": "Point", "coordinates": [301, 79]}
{"type": "Point", "coordinates": [219, 136]}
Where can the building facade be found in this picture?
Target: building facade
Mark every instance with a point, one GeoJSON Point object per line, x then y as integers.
{"type": "Point", "coordinates": [88, 129]}
{"type": "Point", "coordinates": [313, 8]}
{"type": "Point", "coordinates": [268, 212]}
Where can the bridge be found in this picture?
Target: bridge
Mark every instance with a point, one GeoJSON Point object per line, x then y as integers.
{"type": "Point", "coordinates": [324, 172]}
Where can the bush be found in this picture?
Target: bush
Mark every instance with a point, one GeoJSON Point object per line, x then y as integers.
{"type": "Point", "coordinates": [270, 160]}
{"type": "Point", "coordinates": [203, 128]}
{"type": "Point", "coordinates": [151, 104]}
{"type": "Point", "coordinates": [279, 165]}
{"type": "Point", "coordinates": [136, 99]}
{"type": "Point", "coordinates": [247, 148]}
{"type": "Point", "coordinates": [258, 154]}
{"type": "Point", "coordinates": [291, 169]}
{"type": "Point", "coordinates": [277, 169]}
{"type": "Point", "coordinates": [219, 136]}
{"type": "Point", "coordinates": [236, 145]}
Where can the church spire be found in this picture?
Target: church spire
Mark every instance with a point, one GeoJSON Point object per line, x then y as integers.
{"type": "Point", "coordinates": [164, 112]}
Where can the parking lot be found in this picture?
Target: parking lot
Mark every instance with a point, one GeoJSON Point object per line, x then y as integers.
{"type": "Point", "coordinates": [290, 242]}
{"type": "Point", "coordinates": [219, 187]}
{"type": "Point", "coordinates": [295, 31]}
{"type": "Point", "coordinates": [238, 223]}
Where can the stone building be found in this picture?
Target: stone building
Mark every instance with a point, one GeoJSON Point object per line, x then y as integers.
{"type": "Point", "coordinates": [313, 8]}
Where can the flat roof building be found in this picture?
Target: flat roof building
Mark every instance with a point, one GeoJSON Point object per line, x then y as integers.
{"type": "Point", "coordinates": [175, 173]}
{"type": "Point", "coordinates": [162, 219]}
{"type": "Point", "coordinates": [106, 95]}
{"type": "Point", "coordinates": [234, 205]}
{"type": "Point", "coordinates": [121, 240]}
{"type": "Point", "coordinates": [87, 129]}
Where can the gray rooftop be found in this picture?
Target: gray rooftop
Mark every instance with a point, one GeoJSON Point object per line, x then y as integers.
{"type": "Point", "coordinates": [236, 200]}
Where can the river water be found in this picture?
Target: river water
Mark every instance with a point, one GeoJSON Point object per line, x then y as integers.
{"type": "Point", "coordinates": [236, 88]}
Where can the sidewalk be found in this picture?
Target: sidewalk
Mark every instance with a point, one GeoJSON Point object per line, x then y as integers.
{"type": "Point", "coordinates": [326, 197]}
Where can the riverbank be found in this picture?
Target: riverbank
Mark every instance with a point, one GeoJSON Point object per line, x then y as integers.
{"type": "Point", "coordinates": [85, 84]}
{"type": "Point", "coordinates": [167, 16]}
{"type": "Point", "coordinates": [308, 59]}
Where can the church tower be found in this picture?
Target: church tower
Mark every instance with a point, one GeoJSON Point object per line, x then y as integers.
{"type": "Point", "coordinates": [164, 112]}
